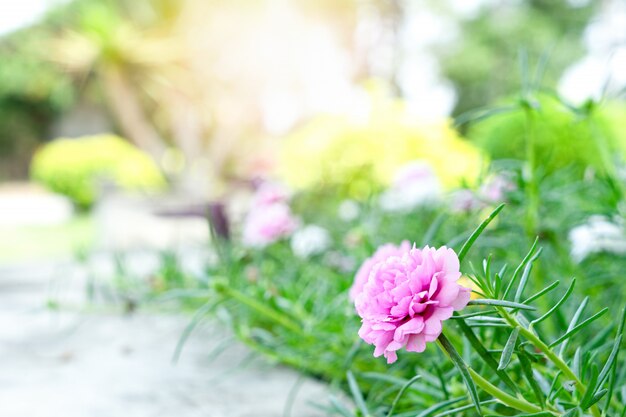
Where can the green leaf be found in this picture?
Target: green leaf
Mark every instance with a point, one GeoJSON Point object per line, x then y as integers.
{"type": "Point", "coordinates": [525, 275]}
{"type": "Point", "coordinates": [542, 292]}
{"type": "Point", "coordinates": [527, 370]}
{"type": "Point", "coordinates": [430, 410]}
{"type": "Point", "coordinates": [608, 366]}
{"type": "Point", "coordinates": [500, 303]}
{"type": "Point", "coordinates": [557, 305]}
{"type": "Point", "coordinates": [612, 379]}
{"type": "Point", "coordinates": [485, 355]}
{"type": "Point", "coordinates": [401, 393]}
{"type": "Point", "coordinates": [592, 382]}
{"type": "Point", "coordinates": [462, 367]}
{"type": "Point", "coordinates": [574, 322]}
{"type": "Point", "coordinates": [508, 349]}
{"type": "Point", "coordinates": [339, 407]}
{"type": "Point", "coordinates": [571, 413]}
{"type": "Point", "coordinates": [596, 397]}
{"type": "Point", "coordinates": [357, 395]}
{"type": "Point", "coordinates": [577, 328]}
{"type": "Point", "coordinates": [519, 268]}
{"type": "Point", "coordinates": [470, 241]}
{"type": "Point", "coordinates": [463, 408]}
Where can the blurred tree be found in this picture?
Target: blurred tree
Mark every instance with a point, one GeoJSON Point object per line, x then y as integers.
{"type": "Point", "coordinates": [33, 93]}
{"type": "Point", "coordinates": [484, 63]}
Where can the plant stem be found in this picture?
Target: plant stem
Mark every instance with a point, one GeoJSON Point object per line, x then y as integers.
{"type": "Point", "coordinates": [550, 354]}
{"type": "Point", "coordinates": [506, 399]}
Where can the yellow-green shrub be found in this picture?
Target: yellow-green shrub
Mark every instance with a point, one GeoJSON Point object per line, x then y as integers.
{"type": "Point", "coordinates": [562, 137]}
{"type": "Point", "coordinates": [75, 167]}
{"type": "Point", "coordinates": [364, 153]}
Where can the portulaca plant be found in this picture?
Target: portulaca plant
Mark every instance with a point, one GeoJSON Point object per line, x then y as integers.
{"type": "Point", "coordinates": [408, 297]}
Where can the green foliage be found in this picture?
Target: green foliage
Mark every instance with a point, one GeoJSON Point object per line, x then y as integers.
{"type": "Point", "coordinates": [33, 92]}
{"type": "Point", "coordinates": [76, 167]}
{"type": "Point", "coordinates": [484, 63]}
{"type": "Point", "coordinates": [562, 136]}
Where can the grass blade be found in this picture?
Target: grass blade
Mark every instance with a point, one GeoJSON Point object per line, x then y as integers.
{"type": "Point", "coordinates": [508, 349]}
{"type": "Point", "coordinates": [470, 241]}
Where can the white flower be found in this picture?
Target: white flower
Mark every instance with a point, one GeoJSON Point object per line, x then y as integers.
{"type": "Point", "coordinates": [349, 210]}
{"type": "Point", "coordinates": [310, 240]}
{"type": "Point", "coordinates": [597, 235]}
{"type": "Point", "coordinates": [414, 185]}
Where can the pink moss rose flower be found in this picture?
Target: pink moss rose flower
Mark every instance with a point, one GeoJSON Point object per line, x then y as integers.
{"type": "Point", "coordinates": [406, 298]}
{"type": "Point", "coordinates": [266, 224]}
{"type": "Point", "coordinates": [382, 253]}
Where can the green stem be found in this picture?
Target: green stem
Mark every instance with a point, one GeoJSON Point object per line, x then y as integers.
{"type": "Point", "coordinates": [550, 354]}
{"type": "Point", "coordinates": [503, 397]}
{"type": "Point", "coordinates": [259, 307]}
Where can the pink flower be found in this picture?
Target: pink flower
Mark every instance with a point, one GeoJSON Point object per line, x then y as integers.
{"type": "Point", "coordinates": [266, 224]}
{"type": "Point", "coordinates": [382, 253]}
{"type": "Point", "coordinates": [407, 297]}
{"type": "Point", "coordinates": [270, 193]}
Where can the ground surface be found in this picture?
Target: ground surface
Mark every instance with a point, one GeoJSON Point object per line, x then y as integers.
{"type": "Point", "coordinates": [79, 361]}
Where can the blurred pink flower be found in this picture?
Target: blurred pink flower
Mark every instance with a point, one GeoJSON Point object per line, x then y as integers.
{"type": "Point", "coordinates": [266, 224]}
{"type": "Point", "coordinates": [407, 297]}
{"type": "Point", "coordinates": [269, 193]}
{"type": "Point", "coordinates": [382, 253]}
{"type": "Point", "coordinates": [495, 189]}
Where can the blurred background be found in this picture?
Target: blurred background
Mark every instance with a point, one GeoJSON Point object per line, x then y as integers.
{"type": "Point", "coordinates": [124, 125]}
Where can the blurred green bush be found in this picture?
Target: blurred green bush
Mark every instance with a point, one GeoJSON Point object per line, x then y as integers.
{"type": "Point", "coordinates": [76, 167]}
{"type": "Point", "coordinates": [562, 135]}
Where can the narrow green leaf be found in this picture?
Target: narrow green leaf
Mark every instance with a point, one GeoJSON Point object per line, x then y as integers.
{"type": "Point", "coordinates": [574, 322]}
{"type": "Point", "coordinates": [485, 355]}
{"type": "Point", "coordinates": [339, 407]}
{"type": "Point", "coordinates": [539, 414]}
{"type": "Point", "coordinates": [357, 395]}
{"type": "Point", "coordinates": [596, 397]}
{"type": "Point", "coordinates": [433, 409]}
{"type": "Point", "coordinates": [476, 314]}
{"type": "Point", "coordinates": [608, 366]}
{"type": "Point", "coordinates": [463, 408]}
{"type": "Point", "coordinates": [500, 303]}
{"type": "Point", "coordinates": [470, 241]}
{"type": "Point", "coordinates": [463, 370]}
{"type": "Point", "coordinates": [542, 292]}
{"type": "Point", "coordinates": [593, 378]}
{"type": "Point", "coordinates": [527, 370]}
{"type": "Point", "coordinates": [577, 328]}
{"type": "Point", "coordinates": [519, 268]}
{"type": "Point", "coordinates": [525, 275]}
{"type": "Point", "coordinates": [557, 305]}
{"type": "Point", "coordinates": [505, 359]}
{"type": "Point", "coordinates": [401, 393]}
{"type": "Point", "coordinates": [612, 379]}
{"type": "Point", "coordinates": [571, 413]}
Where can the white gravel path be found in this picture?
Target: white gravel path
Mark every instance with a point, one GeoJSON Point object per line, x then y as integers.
{"type": "Point", "coordinates": [71, 363]}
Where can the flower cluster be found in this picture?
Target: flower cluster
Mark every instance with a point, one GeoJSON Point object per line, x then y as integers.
{"type": "Point", "coordinates": [407, 295]}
